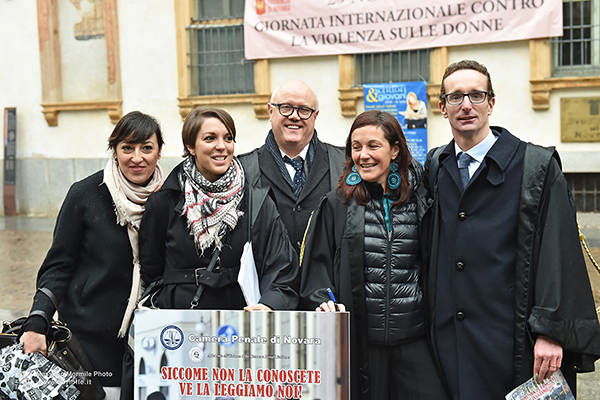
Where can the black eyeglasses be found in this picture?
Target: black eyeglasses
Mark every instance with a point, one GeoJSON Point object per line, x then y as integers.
{"type": "Point", "coordinates": [287, 109]}
{"type": "Point", "coordinates": [456, 99]}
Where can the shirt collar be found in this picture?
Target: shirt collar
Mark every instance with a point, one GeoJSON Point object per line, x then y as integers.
{"type": "Point", "coordinates": [302, 153]}
{"type": "Point", "coordinates": [479, 151]}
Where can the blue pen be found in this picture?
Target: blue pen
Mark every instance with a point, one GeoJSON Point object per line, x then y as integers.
{"type": "Point", "coordinates": [332, 297]}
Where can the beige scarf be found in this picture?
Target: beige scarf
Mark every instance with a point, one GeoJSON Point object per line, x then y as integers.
{"type": "Point", "coordinates": [130, 200]}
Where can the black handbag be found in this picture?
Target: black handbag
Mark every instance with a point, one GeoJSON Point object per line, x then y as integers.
{"type": "Point", "coordinates": [148, 299]}
{"type": "Point", "coordinates": [10, 332]}
{"type": "Point", "coordinates": [64, 350]}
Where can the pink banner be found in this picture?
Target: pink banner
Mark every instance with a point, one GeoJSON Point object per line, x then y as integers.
{"type": "Point", "coordinates": [293, 28]}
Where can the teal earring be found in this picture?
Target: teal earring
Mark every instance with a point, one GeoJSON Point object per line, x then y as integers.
{"type": "Point", "coordinates": [393, 179]}
{"type": "Point", "coordinates": [353, 177]}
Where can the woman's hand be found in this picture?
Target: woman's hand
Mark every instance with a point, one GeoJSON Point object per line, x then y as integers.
{"type": "Point", "coordinates": [330, 306]}
{"type": "Point", "coordinates": [33, 341]}
{"type": "Point", "coordinates": [257, 307]}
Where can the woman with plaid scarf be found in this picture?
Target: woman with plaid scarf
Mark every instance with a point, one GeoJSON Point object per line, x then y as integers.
{"type": "Point", "coordinates": [203, 208]}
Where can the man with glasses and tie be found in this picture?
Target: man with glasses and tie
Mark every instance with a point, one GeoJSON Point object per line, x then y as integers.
{"type": "Point", "coordinates": [293, 162]}
{"type": "Point", "coordinates": [506, 284]}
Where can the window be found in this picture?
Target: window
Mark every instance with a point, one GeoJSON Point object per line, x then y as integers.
{"type": "Point", "coordinates": [210, 58]}
{"type": "Point", "coordinates": [571, 61]}
{"type": "Point", "coordinates": [586, 191]}
{"type": "Point", "coordinates": [60, 96]}
{"type": "Point", "coordinates": [577, 52]}
{"type": "Point", "coordinates": [394, 66]}
{"type": "Point", "coordinates": [216, 54]}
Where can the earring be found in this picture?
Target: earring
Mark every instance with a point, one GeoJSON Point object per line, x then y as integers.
{"type": "Point", "coordinates": [353, 177]}
{"type": "Point", "coordinates": [393, 179]}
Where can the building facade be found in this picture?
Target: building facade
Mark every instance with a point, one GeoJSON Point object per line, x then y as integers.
{"type": "Point", "coordinates": [72, 68]}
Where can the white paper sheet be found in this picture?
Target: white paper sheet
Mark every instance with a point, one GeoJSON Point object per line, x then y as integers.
{"type": "Point", "coordinates": [247, 277]}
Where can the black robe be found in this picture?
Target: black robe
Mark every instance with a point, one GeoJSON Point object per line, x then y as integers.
{"type": "Point", "coordinates": [166, 244]}
{"type": "Point", "coordinates": [332, 255]}
{"type": "Point", "coordinates": [323, 176]}
{"type": "Point", "coordinates": [552, 295]}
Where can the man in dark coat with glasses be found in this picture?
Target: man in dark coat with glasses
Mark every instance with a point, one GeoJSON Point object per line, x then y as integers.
{"type": "Point", "coordinates": [508, 295]}
{"type": "Point", "coordinates": [293, 162]}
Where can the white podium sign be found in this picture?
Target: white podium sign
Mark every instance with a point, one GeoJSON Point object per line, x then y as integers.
{"type": "Point", "coordinates": [210, 354]}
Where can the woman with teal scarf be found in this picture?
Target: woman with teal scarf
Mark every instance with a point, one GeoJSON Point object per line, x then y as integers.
{"type": "Point", "coordinates": [362, 243]}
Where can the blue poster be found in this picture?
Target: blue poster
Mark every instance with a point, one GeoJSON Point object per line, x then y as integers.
{"type": "Point", "coordinates": [407, 101]}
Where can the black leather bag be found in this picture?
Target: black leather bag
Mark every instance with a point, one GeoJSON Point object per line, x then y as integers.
{"type": "Point", "coordinates": [149, 297]}
{"type": "Point", "coordinates": [10, 332]}
{"type": "Point", "coordinates": [64, 350]}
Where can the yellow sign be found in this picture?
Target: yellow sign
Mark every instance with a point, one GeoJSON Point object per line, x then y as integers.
{"type": "Point", "coordinates": [580, 119]}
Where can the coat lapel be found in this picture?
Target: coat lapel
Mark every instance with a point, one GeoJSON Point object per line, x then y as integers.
{"type": "Point", "coordinates": [502, 154]}
{"type": "Point", "coordinates": [448, 162]}
{"type": "Point", "coordinates": [317, 171]}
{"type": "Point", "coordinates": [271, 171]}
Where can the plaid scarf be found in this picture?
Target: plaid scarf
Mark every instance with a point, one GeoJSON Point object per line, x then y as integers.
{"type": "Point", "coordinates": [211, 208]}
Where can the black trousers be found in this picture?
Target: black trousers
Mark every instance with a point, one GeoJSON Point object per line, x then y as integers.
{"type": "Point", "coordinates": [405, 371]}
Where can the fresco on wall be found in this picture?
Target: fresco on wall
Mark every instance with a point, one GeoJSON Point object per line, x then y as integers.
{"type": "Point", "coordinates": [84, 68]}
{"type": "Point", "coordinates": [91, 25]}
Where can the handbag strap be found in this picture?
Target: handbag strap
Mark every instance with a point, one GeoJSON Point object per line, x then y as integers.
{"type": "Point", "coordinates": [52, 298]}
{"type": "Point", "coordinates": [211, 266]}
{"type": "Point", "coordinates": [42, 313]}
{"type": "Point", "coordinates": [51, 295]}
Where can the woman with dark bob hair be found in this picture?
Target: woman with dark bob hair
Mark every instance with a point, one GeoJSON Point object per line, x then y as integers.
{"type": "Point", "coordinates": [362, 243]}
{"type": "Point", "coordinates": [201, 214]}
{"type": "Point", "coordinates": [92, 267]}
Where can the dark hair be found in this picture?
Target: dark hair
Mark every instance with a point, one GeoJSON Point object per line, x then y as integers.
{"type": "Point", "coordinates": [135, 127]}
{"type": "Point", "coordinates": [156, 396]}
{"type": "Point", "coordinates": [392, 131]}
{"type": "Point", "coordinates": [467, 64]}
{"type": "Point", "coordinates": [194, 120]}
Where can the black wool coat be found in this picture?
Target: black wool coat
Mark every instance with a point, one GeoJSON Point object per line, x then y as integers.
{"type": "Point", "coordinates": [89, 269]}
{"type": "Point", "coordinates": [529, 230]}
{"type": "Point", "coordinates": [166, 246]}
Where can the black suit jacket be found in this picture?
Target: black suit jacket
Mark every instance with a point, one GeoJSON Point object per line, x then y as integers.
{"type": "Point", "coordinates": [295, 212]}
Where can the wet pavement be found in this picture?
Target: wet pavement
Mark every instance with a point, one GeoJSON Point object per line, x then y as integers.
{"type": "Point", "coordinates": [24, 242]}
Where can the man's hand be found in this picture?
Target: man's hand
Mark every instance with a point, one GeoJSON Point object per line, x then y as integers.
{"type": "Point", "coordinates": [547, 357]}
{"type": "Point", "coordinates": [330, 306]}
{"type": "Point", "coordinates": [33, 341]}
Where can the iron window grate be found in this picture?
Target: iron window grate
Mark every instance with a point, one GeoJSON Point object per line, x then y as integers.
{"type": "Point", "coordinates": [393, 66]}
{"type": "Point", "coordinates": [577, 52]}
{"type": "Point", "coordinates": [585, 189]}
